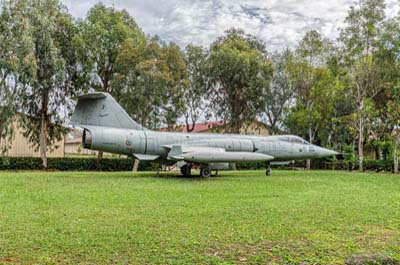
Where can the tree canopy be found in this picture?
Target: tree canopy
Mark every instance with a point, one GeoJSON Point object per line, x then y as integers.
{"type": "Point", "coordinates": [240, 72]}
{"type": "Point", "coordinates": [342, 93]}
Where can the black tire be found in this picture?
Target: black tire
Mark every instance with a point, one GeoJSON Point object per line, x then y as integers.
{"type": "Point", "coordinates": [205, 172]}
{"type": "Point", "coordinates": [186, 171]}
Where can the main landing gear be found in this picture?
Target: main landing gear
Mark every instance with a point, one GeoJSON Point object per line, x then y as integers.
{"type": "Point", "coordinates": [205, 172]}
{"type": "Point", "coordinates": [186, 171]}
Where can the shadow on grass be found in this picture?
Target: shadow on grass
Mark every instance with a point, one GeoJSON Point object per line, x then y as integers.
{"type": "Point", "coordinates": [162, 175]}
{"type": "Point", "coordinates": [132, 175]}
{"type": "Point", "coordinates": [123, 175]}
{"type": "Point", "coordinates": [176, 175]}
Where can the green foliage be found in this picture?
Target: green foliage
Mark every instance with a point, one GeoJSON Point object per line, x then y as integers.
{"type": "Point", "coordinates": [291, 217]}
{"type": "Point", "coordinates": [326, 164]}
{"type": "Point", "coordinates": [348, 153]}
{"type": "Point", "coordinates": [369, 165]}
{"type": "Point", "coordinates": [42, 80]}
{"type": "Point", "coordinates": [239, 73]}
{"type": "Point", "coordinates": [315, 87]}
{"type": "Point", "coordinates": [196, 94]}
{"type": "Point", "coordinates": [280, 93]}
{"type": "Point", "coordinates": [71, 164]}
{"type": "Point", "coordinates": [16, 63]}
{"type": "Point", "coordinates": [151, 83]}
{"type": "Point", "coordinates": [126, 164]}
{"type": "Point", "coordinates": [101, 36]}
{"type": "Point", "coordinates": [363, 23]}
{"type": "Point", "coordinates": [335, 93]}
{"type": "Point", "coordinates": [360, 38]}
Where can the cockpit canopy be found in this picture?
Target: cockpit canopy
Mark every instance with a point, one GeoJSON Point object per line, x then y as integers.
{"type": "Point", "coordinates": [293, 139]}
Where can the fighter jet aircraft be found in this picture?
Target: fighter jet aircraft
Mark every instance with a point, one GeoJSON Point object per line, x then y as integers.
{"type": "Point", "coordinates": [107, 127]}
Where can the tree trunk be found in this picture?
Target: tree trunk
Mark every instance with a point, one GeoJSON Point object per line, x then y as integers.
{"type": "Point", "coordinates": [2, 149]}
{"type": "Point", "coordinates": [98, 161]}
{"type": "Point", "coordinates": [43, 140]}
{"type": "Point", "coordinates": [378, 153]}
{"type": "Point", "coordinates": [361, 145]}
{"type": "Point", "coordinates": [396, 156]}
{"type": "Point", "coordinates": [311, 139]}
{"type": "Point", "coordinates": [135, 165]}
{"type": "Point", "coordinates": [308, 166]}
{"type": "Point", "coordinates": [189, 127]}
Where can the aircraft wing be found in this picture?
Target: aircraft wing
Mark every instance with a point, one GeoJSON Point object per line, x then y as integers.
{"type": "Point", "coordinates": [202, 154]}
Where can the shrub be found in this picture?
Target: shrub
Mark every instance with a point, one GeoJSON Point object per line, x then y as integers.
{"type": "Point", "coordinates": [71, 164]}
{"type": "Point", "coordinates": [126, 164]}
{"type": "Point", "coordinates": [326, 164]}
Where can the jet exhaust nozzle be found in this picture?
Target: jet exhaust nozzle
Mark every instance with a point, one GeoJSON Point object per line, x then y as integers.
{"type": "Point", "coordinates": [87, 139]}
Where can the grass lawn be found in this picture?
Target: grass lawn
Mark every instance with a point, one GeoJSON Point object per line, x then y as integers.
{"type": "Point", "coordinates": [316, 217]}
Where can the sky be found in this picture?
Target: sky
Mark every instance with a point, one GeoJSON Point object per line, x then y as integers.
{"type": "Point", "coordinates": [279, 23]}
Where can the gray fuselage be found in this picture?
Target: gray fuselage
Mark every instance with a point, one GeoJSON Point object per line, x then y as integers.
{"type": "Point", "coordinates": [146, 142]}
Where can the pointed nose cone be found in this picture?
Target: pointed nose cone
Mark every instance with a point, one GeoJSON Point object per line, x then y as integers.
{"type": "Point", "coordinates": [323, 152]}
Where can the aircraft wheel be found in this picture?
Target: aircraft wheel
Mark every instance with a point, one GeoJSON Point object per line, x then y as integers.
{"type": "Point", "coordinates": [268, 172]}
{"type": "Point", "coordinates": [186, 171]}
{"type": "Point", "coordinates": [205, 172]}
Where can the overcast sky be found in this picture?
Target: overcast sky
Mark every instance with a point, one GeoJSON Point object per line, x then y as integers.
{"type": "Point", "coordinates": [280, 23]}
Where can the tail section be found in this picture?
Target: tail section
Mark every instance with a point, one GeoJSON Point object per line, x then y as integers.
{"type": "Point", "coordinates": [101, 109]}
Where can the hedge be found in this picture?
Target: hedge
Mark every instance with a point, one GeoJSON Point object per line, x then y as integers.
{"type": "Point", "coordinates": [72, 164]}
{"type": "Point", "coordinates": [369, 165]}
{"type": "Point", "coordinates": [126, 164]}
{"type": "Point", "coordinates": [326, 164]}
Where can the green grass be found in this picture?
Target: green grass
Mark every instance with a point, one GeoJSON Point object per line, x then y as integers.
{"type": "Point", "coordinates": [318, 217]}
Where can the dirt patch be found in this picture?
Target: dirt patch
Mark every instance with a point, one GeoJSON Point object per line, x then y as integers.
{"type": "Point", "coordinates": [371, 259]}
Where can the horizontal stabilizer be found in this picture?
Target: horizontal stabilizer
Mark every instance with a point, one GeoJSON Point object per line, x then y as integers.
{"type": "Point", "coordinates": [96, 95]}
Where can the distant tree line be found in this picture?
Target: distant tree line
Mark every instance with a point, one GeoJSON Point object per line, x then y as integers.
{"type": "Point", "coordinates": [342, 93]}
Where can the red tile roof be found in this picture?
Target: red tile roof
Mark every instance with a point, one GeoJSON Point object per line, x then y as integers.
{"type": "Point", "coordinates": [74, 141]}
{"type": "Point", "coordinates": [198, 127]}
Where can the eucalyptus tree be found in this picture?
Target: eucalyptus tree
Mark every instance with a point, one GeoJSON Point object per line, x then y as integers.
{"type": "Point", "coordinates": [102, 34]}
{"type": "Point", "coordinates": [338, 132]}
{"type": "Point", "coordinates": [388, 56]}
{"type": "Point", "coordinates": [313, 84]}
{"type": "Point", "coordinates": [45, 30]}
{"type": "Point", "coordinates": [240, 73]}
{"type": "Point", "coordinates": [196, 94]}
{"type": "Point", "coordinates": [152, 81]}
{"type": "Point", "coordinates": [394, 110]}
{"type": "Point", "coordinates": [280, 93]}
{"type": "Point", "coordinates": [15, 67]}
{"type": "Point", "coordinates": [360, 40]}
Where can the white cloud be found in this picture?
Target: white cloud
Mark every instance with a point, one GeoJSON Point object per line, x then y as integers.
{"type": "Point", "coordinates": [280, 23]}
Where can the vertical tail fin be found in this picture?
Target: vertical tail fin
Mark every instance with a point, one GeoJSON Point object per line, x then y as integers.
{"type": "Point", "coordinates": [101, 109]}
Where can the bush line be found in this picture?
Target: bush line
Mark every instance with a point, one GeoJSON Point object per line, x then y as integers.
{"type": "Point", "coordinates": [126, 164]}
